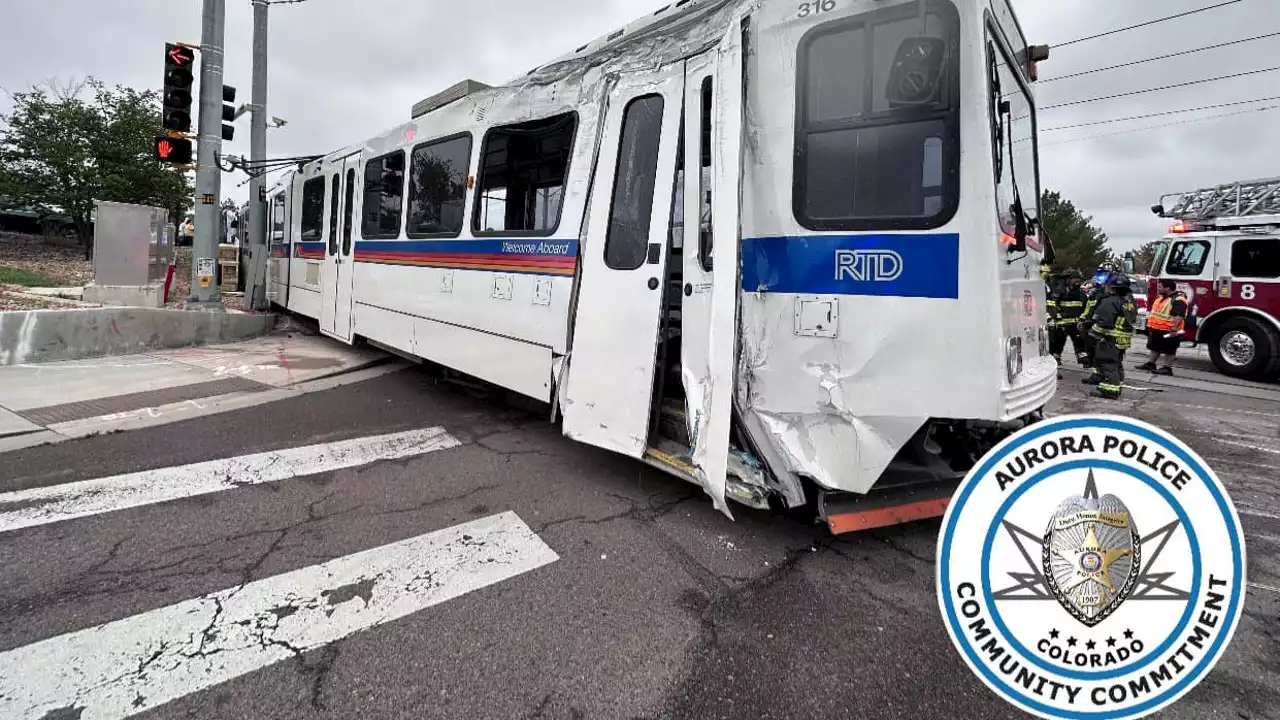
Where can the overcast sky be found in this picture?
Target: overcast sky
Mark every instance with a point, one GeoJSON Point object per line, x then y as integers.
{"type": "Point", "coordinates": [342, 71]}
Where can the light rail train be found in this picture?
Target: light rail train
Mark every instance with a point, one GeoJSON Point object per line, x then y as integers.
{"type": "Point", "coordinates": [785, 250]}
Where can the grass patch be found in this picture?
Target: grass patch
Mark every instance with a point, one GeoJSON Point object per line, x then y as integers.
{"type": "Point", "coordinates": [26, 278]}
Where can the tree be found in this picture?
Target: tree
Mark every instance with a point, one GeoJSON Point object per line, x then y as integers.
{"type": "Point", "coordinates": [59, 152]}
{"type": "Point", "coordinates": [1145, 257]}
{"type": "Point", "coordinates": [1076, 242]}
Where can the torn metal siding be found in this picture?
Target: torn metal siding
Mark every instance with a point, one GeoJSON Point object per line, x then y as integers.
{"type": "Point", "coordinates": [710, 423]}
{"type": "Point", "coordinates": [839, 402]}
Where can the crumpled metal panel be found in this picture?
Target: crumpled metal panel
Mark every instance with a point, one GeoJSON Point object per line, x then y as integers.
{"type": "Point", "coordinates": [711, 422]}
{"type": "Point", "coordinates": [804, 403]}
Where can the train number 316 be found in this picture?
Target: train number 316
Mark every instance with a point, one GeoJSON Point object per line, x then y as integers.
{"type": "Point", "coordinates": [816, 7]}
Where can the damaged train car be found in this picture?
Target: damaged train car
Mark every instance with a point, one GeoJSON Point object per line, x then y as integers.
{"type": "Point", "coordinates": [737, 240]}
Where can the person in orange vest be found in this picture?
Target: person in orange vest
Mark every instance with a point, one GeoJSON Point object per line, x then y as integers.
{"type": "Point", "coordinates": [1166, 326]}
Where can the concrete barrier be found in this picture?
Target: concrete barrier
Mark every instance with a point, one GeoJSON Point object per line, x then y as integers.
{"type": "Point", "coordinates": [37, 336]}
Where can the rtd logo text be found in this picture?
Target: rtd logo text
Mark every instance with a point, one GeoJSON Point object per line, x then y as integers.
{"type": "Point", "coordinates": [868, 265]}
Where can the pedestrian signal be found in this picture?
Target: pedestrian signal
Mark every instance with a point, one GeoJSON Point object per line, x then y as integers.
{"type": "Point", "coordinates": [174, 151]}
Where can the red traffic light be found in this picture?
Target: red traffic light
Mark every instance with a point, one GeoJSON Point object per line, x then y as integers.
{"type": "Point", "coordinates": [176, 151]}
{"type": "Point", "coordinates": [179, 56]}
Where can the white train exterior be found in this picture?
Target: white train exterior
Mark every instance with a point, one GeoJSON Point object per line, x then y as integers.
{"type": "Point", "coordinates": [737, 240]}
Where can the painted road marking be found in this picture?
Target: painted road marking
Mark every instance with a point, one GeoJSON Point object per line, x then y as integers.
{"type": "Point", "coordinates": [40, 506]}
{"type": "Point", "coordinates": [1256, 448]}
{"type": "Point", "coordinates": [131, 665]}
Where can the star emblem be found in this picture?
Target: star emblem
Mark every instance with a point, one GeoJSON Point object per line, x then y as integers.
{"type": "Point", "coordinates": [1071, 642]}
{"type": "Point", "coordinates": [1090, 561]}
{"type": "Point", "coordinates": [1053, 634]}
{"type": "Point", "coordinates": [1128, 634]}
{"type": "Point", "coordinates": [1111, 642]}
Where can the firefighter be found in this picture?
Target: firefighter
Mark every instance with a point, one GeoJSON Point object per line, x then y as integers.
{"type": "Point", "coordinates": [1165, 328]}
{"type": "Point", "coordinates": [1066, 306]}
{"type": "Point", "coordinates": [1096, 294]}
{"type": "Point", "coordinates": [1111, 327]}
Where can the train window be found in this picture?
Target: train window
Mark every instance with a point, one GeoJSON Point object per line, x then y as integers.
{"type": "Point", "coordinates": [626, 243]}
{"type": "Point", "coordinates": [438, 187]}
{"type": "Point", "coordinates": [1013, 134]}
{"type": "Point", "coordinates": [333, 216]}
{"type": "Point", "coordinates": [383, 196]}
{"type": "Point", "coordinates": [1256, 258]}
{"type": "Point", "coordinates": [522, 177]}
{"type": "Point", "coordinates": [873, 149]}
{"type": "Point", "coordinates": [1188, 258]}
{"type": "Point", "coordinates": [704, 177]}
{"type": "Point", "coordinates": [312, 210]}
{"type": "Point", "coordinates": [277, 214]}
{"type": "Point", "coordinates": [348, 201]}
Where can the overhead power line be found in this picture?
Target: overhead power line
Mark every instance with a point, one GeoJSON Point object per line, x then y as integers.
{"type": "Point", "coordinates": [1158, 114]}
{"type": "Point", "coordinates": [1163, 125]}
{"type": "Point", "coordinates": [1145, 24]}
{"type": "Point", "coordinates": [1161, 57]}
{"type": "Point", "coordinates": [1162, 87]}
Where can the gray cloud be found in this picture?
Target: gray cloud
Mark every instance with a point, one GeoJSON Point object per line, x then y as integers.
{"type": "Point", "coordinates": [342, 71]}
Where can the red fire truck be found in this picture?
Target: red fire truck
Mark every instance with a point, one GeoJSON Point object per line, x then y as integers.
{"type": "Point", "coordinates": [1223, 251]}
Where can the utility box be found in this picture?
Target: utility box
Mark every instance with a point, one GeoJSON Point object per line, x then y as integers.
{"type": "Point", "coordinates": [132, 251]}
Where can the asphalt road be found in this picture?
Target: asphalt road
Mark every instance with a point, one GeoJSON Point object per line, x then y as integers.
{"type": "Point", "coordinates": [658, 607]}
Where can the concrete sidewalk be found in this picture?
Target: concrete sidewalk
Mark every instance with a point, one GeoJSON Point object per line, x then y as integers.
{"type": "Point", "coordinates": [49, 402]}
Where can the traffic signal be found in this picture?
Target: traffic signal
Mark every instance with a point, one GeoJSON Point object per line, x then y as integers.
{"type": "Point", "coordinates": [179, 63]}
{"type": "Point", "coordinates": [174, 151]}
{"type": "Point", "coordinates": [228, 111]}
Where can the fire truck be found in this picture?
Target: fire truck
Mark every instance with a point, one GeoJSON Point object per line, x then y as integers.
{"type": "Point", "coordinates": [1223, 251]}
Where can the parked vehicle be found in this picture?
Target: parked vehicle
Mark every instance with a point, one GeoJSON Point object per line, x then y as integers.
{"type": "Point", "coordinates": [1223, 250]}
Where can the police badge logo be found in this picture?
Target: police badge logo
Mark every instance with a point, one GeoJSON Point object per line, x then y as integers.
{"type": "Point", "coordinates": [1091, 553]}
{"type": "Point", "coordinates": [1091, 567]}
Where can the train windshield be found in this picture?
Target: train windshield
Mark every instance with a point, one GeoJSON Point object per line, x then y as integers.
{"type": "Point", "coordinates": [877, 142]}
{"type": "Point", "coordinates": [1013, 123]}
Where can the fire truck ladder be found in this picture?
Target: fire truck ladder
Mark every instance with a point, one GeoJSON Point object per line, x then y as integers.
{"type": "Point", "coordinates": [1250, 202]}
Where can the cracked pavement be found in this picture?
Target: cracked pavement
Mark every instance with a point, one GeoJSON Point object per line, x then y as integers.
{"type": "Point", "coordinates": [658, 607]}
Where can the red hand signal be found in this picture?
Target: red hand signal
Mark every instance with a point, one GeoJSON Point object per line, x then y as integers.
{"type": "Point", "coordinates": [164, 148]}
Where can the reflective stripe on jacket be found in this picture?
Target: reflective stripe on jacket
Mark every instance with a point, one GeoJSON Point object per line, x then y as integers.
{"type": "Point", "coordinates": [1162, 316]}
{"type": "Point", "coordinates": [1113, 319]}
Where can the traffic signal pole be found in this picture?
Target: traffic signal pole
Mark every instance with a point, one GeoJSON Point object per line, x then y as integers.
{"type": "Point", "coordinates": [204, 287]}
{"type": "Point", "coordinates": [256, 286]}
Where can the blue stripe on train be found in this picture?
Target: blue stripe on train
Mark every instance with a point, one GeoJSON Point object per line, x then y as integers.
{"type": "Point", "coordinates": [922, 265]}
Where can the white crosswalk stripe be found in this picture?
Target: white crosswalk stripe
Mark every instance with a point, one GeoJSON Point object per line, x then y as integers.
{"type": "Point", "coordinates": [40, 506]}
{"type": "Point", "coordinates": [126, 667]}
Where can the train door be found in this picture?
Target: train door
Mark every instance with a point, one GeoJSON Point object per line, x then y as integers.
{"type": "Point", "coordinates": [611, 371]}
{"type": "Point", "coordinates": [709, 311]}
{"type": "Point", "coordinates": [339, 270]}
{"type": "Point", "coordinates": [278, 248]}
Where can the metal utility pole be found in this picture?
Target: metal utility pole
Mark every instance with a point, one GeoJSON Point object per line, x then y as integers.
{"type": "Point", "coordinates": [256, 286]}
{"type": "Point", "coordinates": [208, 213]}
